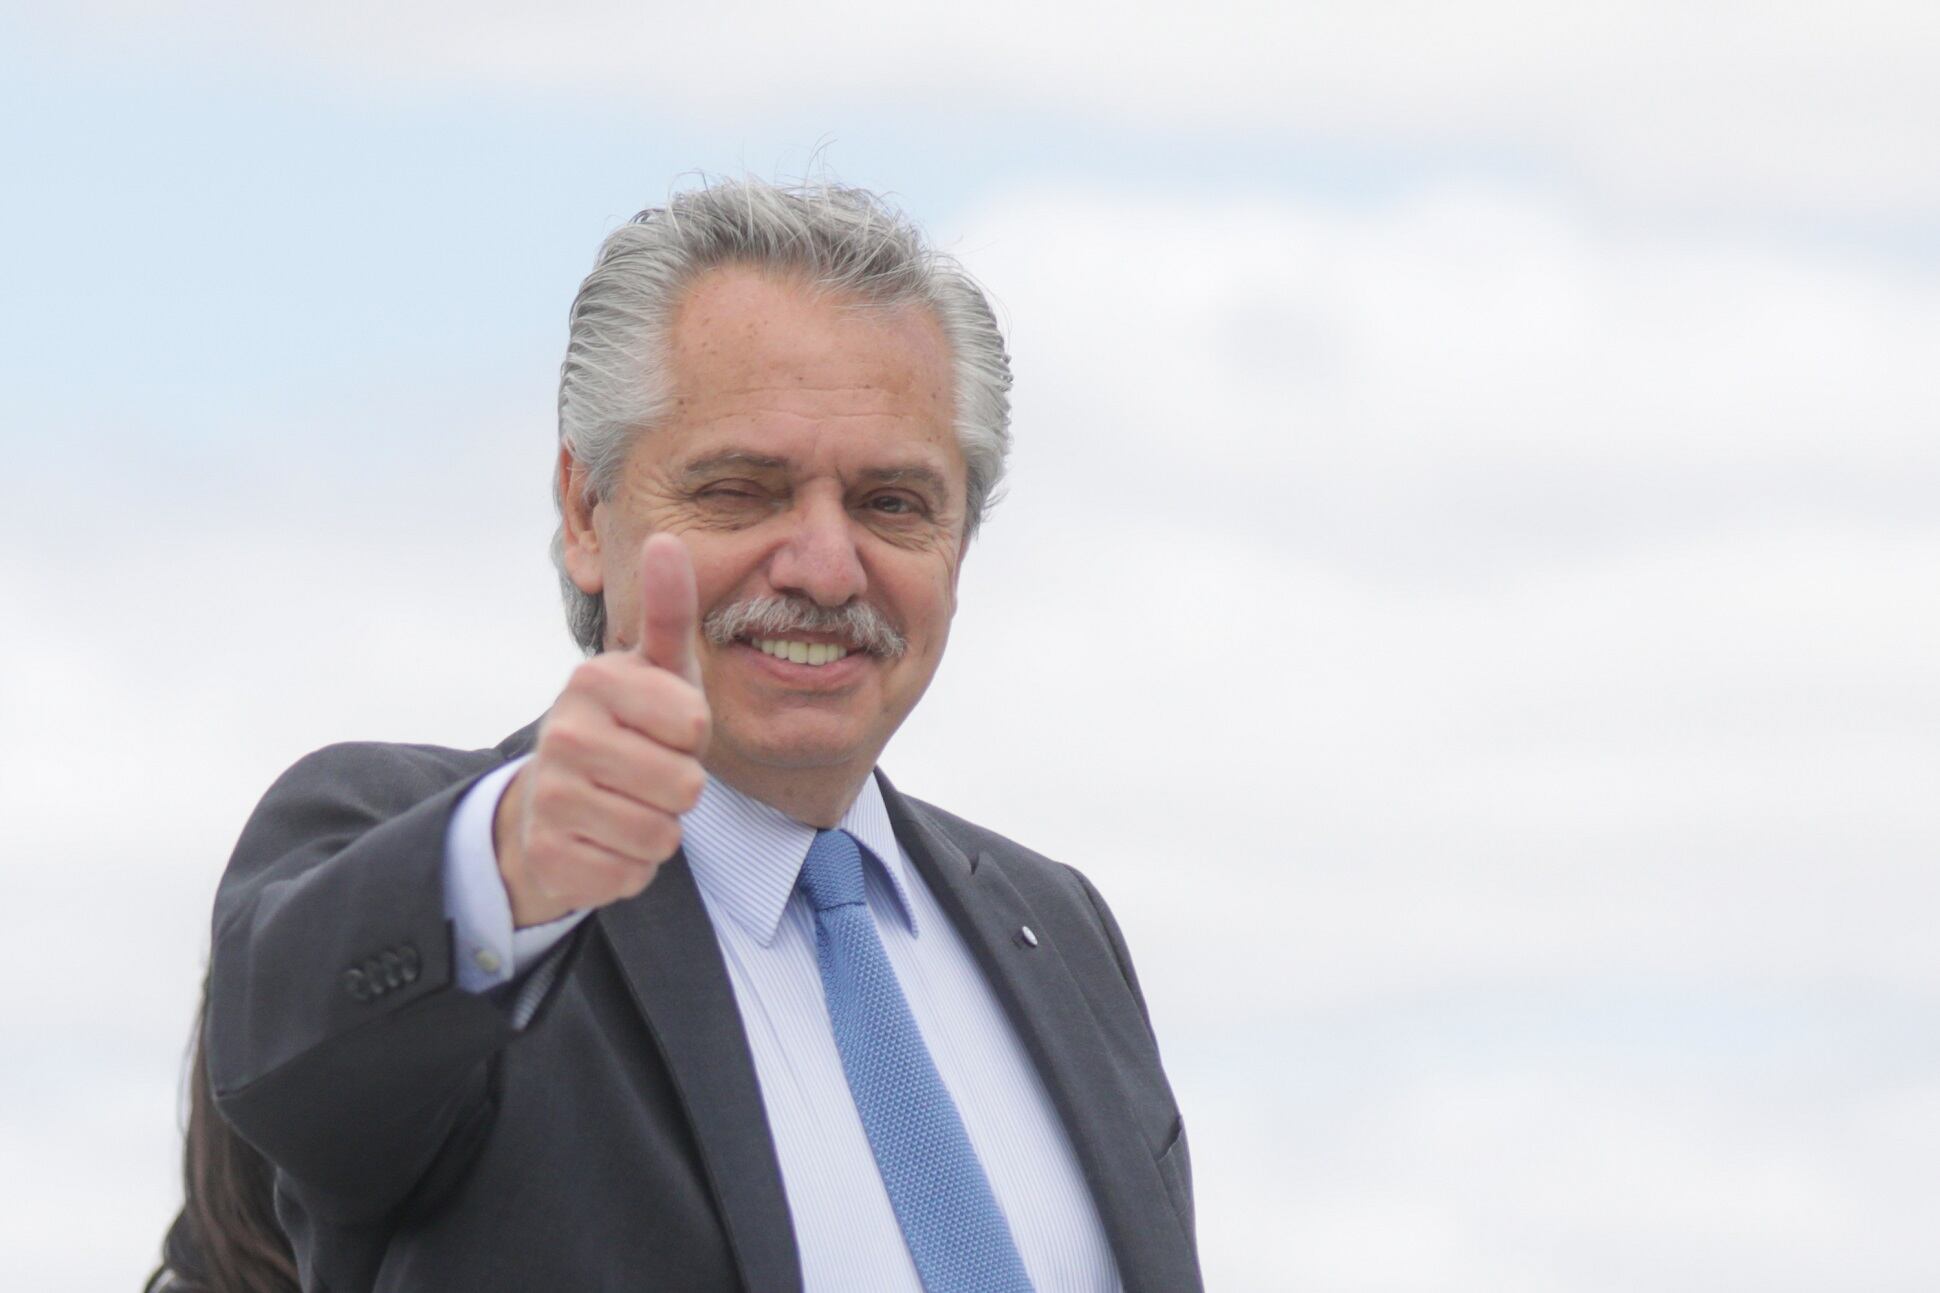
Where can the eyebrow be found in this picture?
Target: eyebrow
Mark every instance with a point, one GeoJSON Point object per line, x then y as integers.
{"type": "Point", "coordinates": [742, 460]}
{"type": "Point", "coordinates": [733, 459]}
{"type": "Point", "coordinates": [905, 476]}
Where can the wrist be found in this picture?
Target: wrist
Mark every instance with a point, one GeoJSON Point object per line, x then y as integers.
{"type": "Point", "coordinates": [528, 907]}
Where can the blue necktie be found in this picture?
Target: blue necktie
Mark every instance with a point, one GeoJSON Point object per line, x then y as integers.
{"type": "Point", "coordinates": [955, 1230]}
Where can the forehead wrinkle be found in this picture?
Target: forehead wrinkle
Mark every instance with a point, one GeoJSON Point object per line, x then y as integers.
{"type": "Point", "coordinates": [875, 393]}
{"type": "Point", "coordinates": [757, 386]}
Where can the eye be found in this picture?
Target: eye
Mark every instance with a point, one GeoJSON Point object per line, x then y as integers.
{"type": "Point", "coordinates": [896, 505]}
{"type": "Point", "coordinates": [729, 492]}
{"type": "Point", "coordinates": [731, 503]}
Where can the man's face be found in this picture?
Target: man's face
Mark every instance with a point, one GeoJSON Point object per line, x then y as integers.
{"type": "Point", "coordinates": [810, 453]}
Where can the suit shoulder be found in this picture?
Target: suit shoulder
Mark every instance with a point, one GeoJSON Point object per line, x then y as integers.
{"type": "Point", "coordinates": [1055, 889]}
{"type": "Point", "coordinates": [1018, 861]}
{"type": "Point", "coordinates": [972, 838]}
{"type": "Point", "coordinates": [336, 793]}
{"type": "Point", "coordinates": [349, 763]}
{"type": "Point", "coordinates": [373, 775]}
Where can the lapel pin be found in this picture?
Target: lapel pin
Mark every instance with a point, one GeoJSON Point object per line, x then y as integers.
{"type": "Point", "coordinates": [1026, 937]}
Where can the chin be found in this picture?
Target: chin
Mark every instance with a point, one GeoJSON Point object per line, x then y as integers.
{"type": "Point", "coordinates": [800, 749]}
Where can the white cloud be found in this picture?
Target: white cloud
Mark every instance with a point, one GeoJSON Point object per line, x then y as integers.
{"type": "Point", "coordinates": [1563, 1176]}
{"type": "Point", "coordinates": [1810, 106]}
{"type": "Point", "coordinates": [1636, 716]}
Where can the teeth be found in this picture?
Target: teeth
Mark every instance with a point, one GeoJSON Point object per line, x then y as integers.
{"type": "Point", "coordinates": [813, 653]}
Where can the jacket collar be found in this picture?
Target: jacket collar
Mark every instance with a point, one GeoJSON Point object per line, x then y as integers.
{"type": "Point", "coordinates": [747, 856]}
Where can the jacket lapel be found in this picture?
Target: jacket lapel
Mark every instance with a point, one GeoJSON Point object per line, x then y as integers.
{"type": "Point", "coordinates": [1045, 1005]}
{"type": "Point", "coordinates": [666, 949]}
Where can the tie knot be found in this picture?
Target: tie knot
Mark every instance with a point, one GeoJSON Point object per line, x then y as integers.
{"type": "Point", "coordinates": [832, 875]}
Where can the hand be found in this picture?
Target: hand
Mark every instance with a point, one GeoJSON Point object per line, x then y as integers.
{"type": "Point", "coordinates": [591, 817]}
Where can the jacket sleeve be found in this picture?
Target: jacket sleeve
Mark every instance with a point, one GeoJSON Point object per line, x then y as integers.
{"type": "Point", "coordinates": [338, 1042]}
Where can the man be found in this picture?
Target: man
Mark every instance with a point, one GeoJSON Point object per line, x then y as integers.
{"type": "Point", "coordinates": [672, 990]}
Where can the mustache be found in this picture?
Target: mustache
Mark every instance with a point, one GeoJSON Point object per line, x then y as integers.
{"type": "Point", "coordinates": [860, 625]}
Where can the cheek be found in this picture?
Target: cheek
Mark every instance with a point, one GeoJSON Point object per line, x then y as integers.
{"type": "Point", "coordinates": [622, 611]}
{"type": "Point", "coordinates": [725, 570]}
{"type": "Point", "coordinates": [946, 605]}
{"type": "Point", "coordinates": [936, 605]}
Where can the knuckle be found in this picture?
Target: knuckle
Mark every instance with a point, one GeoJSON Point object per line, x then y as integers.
{"type": "Point", "coordinates": [595, 677]}
{"type": "Point", "coordinates": [548, 798]}
{"type": "Point", "coordinates": [662, 837]}
{"type": "Point", "coordinates": [689, 783]}
{"type": "Point", "coordinates": [566, 740]}
{"type": "Point", "coordinates": [685, 715]}
{"type": "Point", "coordinates": [564, 857]}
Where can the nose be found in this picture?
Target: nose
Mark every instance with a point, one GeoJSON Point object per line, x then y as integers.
{"type": "Point", "coordinates": [818, 558]}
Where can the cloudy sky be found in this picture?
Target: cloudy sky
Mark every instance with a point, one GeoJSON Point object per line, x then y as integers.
{"type": "Point", "coordinates": [1467, 591]}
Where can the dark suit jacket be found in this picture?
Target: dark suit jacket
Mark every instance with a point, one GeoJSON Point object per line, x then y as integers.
{"type": "Point", "coordinates": [618, 1141]}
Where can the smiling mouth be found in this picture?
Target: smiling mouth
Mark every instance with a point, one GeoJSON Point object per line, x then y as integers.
{"type": "Point", "coordinates": [798, 652]}
{"type": "Point", "coordinates": [789, 628]}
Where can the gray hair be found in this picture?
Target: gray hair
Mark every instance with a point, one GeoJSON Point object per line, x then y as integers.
{"type": "Point", "coordinates": [614, 381]}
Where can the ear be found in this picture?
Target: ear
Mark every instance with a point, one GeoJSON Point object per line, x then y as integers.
{"type": "Point", "coordinates": [580, 535]}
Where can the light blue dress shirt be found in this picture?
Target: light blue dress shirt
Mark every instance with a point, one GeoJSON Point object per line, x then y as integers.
{"type": "Point", "coordinates": [746, 857]}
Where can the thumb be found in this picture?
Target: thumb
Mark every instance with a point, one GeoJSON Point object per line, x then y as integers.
{"type": "Point", "coordinates": [669, 607]}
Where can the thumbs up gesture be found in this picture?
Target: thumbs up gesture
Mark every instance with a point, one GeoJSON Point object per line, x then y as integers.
{"type": "Point", "coordinates": [597, 810]}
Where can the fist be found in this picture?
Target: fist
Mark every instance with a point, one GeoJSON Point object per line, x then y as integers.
{"type": "Point", "coordinates": [591, 817]}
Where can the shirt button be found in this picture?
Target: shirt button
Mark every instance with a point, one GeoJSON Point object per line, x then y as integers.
{"type": "Point", "coordinates": [486, 959]}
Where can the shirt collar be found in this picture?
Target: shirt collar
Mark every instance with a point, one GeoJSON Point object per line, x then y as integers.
{"type": "Point", "coordinates": [747, 855]}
